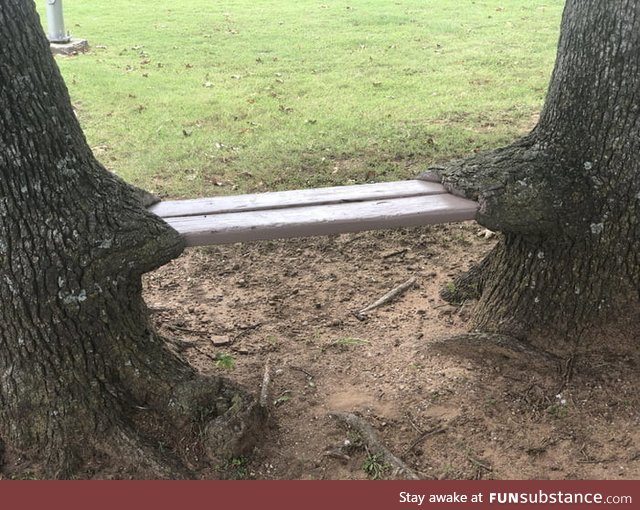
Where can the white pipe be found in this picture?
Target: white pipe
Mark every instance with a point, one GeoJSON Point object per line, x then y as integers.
{"type": "Point", "coordinates": [55, 22]}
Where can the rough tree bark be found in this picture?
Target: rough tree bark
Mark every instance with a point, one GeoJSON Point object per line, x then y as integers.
{"type": "Point", "coordinates": [567, 196]}
{"type": "Point", "coordinates": [83, 377]}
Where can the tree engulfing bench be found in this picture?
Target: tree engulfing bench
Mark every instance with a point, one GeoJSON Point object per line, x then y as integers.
{"type": "Point", "coordinates": [313, 212]}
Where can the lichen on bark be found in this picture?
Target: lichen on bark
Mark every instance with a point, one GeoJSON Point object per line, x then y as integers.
{"type": "Point", "coordinates": [84, 379]}
{"type": "Point", "coordinates": [566, 196]}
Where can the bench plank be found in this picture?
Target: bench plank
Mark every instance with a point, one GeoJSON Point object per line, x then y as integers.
{"type": "Point", "coordinates": [325, 219]}
{"type": "Point", "coordinates": [295, 198]}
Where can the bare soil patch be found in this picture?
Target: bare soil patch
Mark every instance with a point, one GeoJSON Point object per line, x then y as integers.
{"type": "Point", "coordinates": [449, 408]}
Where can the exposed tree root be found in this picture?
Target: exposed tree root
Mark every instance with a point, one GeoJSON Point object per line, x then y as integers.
{"type": "Point", "coordinates": [535, 374]}
{"type": "Point", "coordinates": [374, 444]}
{"type": "Point", "coordinates": [237, 430]}
{"type": "Point", "coordinates": [144, 460]}
{"type": "Point", "coordinates": [466, 286]}
{"type": "Point", "coordinates": [206, 421]}
{"type": "Point", "coordinates": [220, 418]}
{"type": "Point", "coordinates": [484, 345]}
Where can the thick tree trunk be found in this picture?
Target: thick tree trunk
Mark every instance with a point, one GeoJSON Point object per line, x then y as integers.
{"type": "Point", "coordinates": [567, 196]}
{"type": "Point", "coordinates": [82, 374]}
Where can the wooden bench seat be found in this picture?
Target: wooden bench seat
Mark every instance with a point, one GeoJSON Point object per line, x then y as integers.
{"type": "Point", "coordinates": [313, 212]}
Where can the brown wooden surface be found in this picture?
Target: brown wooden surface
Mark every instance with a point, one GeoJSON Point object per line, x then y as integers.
{"type": "Point", "coordinates": [295, 198]}
{"type": "Point", "coordinates": [322, 219]}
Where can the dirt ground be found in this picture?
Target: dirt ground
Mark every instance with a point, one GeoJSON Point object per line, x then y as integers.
{"type": "Point", "coordinates": [449, 409]}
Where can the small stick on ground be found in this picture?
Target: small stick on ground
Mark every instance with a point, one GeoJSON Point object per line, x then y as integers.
{"type": "Point", "coordinates": [158, 309]}
{"type": "Point", "coordinates": [187, 330]}
{"type": "Point", "coordinates": [480, 464]}
{"type": "Point", "coordinates": [423, 436]}
{"type": "Point", "coordinates": [177, 343]}
{"type": "Point", "coordinates": [389, 296]}
{"type": "Point", "coordinates": [300, 369]}
{"type": "Point", "coordinates": [266, 379]}
{"type": "Point", "coordinates": [247, 330]}
{"type": "Point", "coordinates": [370, 438]}
{"type": "Point", "coordinates": [395, 253]}
{"type": "Point", "coordinates": [352, 240]}
{"type": "Point", "coordinates": [207, 355]}
{"type": "Point", "coordinates": [417, 429]}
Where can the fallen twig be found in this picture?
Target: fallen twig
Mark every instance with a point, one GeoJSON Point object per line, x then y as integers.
{"type": "Point", "coordinates": [266, 379]}
{"type": "Point", "coordinates": [477, 463]}
{"type": "Point", "coordinates": [187, 330]}
{"type": "Point", "coordinates": [370, 438]}
{"type": "Point", "coordinates": [178, 344]}
{"type": "Point", "coordinates": [395, 253]}
{"type": "Point", "coordinates": [423, 436]}
{"type": "Point", "coordinates": [358, 316]}
{"type": "Point", "coordinates": [300, 369]}
{"type": "Point", "coordinates": [158, 309]}
{"type": "Point", "coordinates": [389, 296]}
{"type": "Point", "coordinates": [442, 306]}
{"type": "Point", "coordinates": [349, 241]}
{"type": "Point", "coordinates": [212, 358]}
{"type": "Point", "coordinates": [337, 454]}
{"type": "Point", "coordinates": [246, 330]}
{"type": "Point", "coordinates": [417, 429]}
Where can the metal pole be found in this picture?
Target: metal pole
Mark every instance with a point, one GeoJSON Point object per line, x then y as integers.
{"type": "Point", "coordinates": [55, 22]}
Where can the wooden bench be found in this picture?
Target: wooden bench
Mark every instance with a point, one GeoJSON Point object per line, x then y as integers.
{"type": "Point", "coordinates": [313, 212]}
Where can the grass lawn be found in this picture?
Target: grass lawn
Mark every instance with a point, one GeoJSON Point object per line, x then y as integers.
{"type": "Point", "coordinates": [216, 97]}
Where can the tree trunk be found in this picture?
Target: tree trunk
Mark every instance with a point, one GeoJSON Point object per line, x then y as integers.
{"type": "Point", "coordinates": [566, 196]}
{"type": "Point", "coordinates": [83, 377]}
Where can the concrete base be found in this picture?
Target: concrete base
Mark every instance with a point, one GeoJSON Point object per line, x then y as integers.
{"type": "Point", "coordinates": [73, 47]}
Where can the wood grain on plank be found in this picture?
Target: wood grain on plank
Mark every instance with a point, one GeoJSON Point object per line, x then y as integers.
{"type": "Point", "coordinates": [295, 198]}
{"type": "Point", "coordinates": [322, 219]}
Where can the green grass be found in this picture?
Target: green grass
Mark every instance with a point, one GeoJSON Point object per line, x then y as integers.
{"type": "Point", "coordinates": [216, 97]}
{"type": "Point", "coordinates": [374, 466]}
{"type": "Point", "coordinates": [226, 361]}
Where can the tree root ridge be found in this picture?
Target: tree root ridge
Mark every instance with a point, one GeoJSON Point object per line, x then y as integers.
{"type": "Point", "coordinates": [236, 431]}
{"type": "Point", "coordinates": [481, 347]}
{"type": "Point", "coordinates": [535, 374]}
{"type": "Point", "coordinates": [215, 419]}
{"type": "Point", "coordinates": [226, 418]}
{"type": "Point", "coordinates": [375, 445]}
{"type": "Point", "coordinates": [467, 286]}
{"type": "Point", "coordinates": [511, 343]}
{"type": "Point", "coordinates": [207, 421]}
